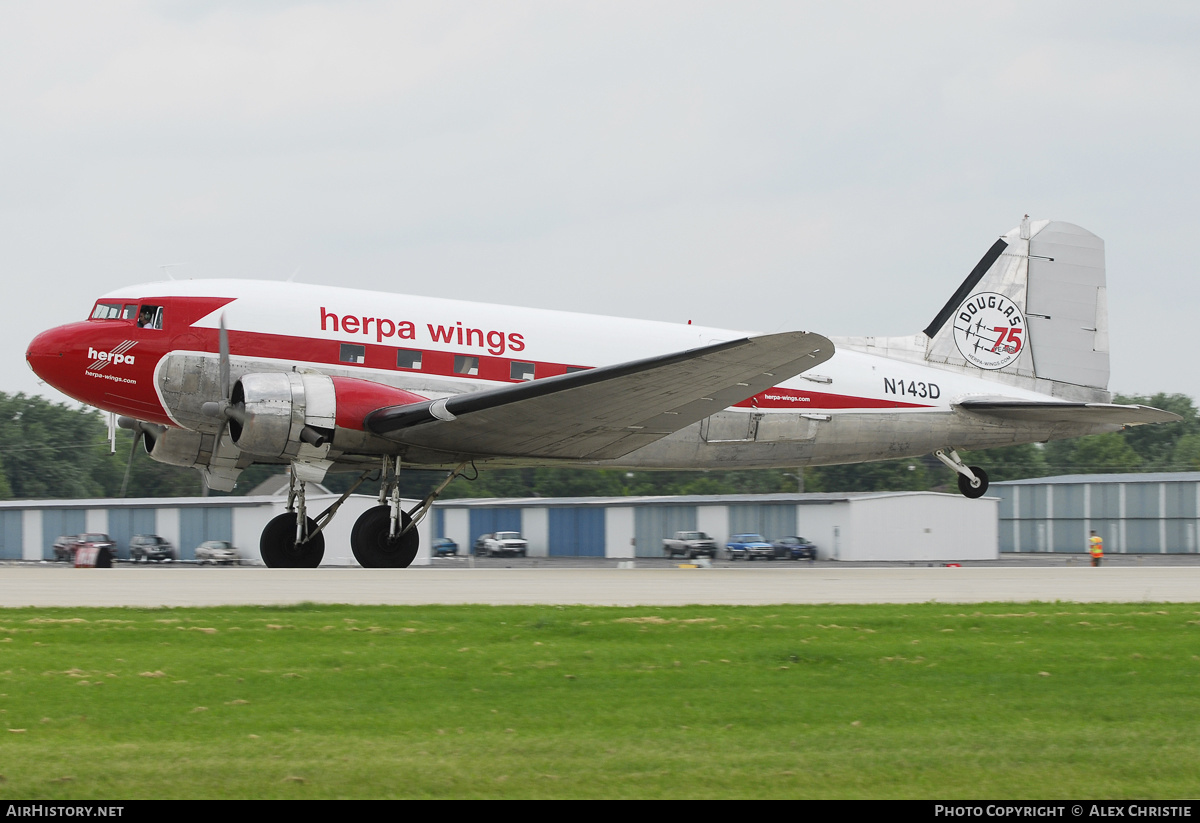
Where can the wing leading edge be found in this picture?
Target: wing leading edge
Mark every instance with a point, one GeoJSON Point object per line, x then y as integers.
{"type": "Point", "coordinates": [607, 412]}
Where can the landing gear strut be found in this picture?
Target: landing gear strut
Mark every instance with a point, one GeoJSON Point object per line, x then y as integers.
{"type": "Point", "coordinates": [385, 537]}
{"type": "Point", "coordinates": [292, 540]}
{"type": "Point", "coordinates": [972, 480]}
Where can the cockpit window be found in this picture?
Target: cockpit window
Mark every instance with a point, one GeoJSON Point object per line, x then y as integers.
{"type": "Point", "coordinates": [107, 311]}
{"type": "Point", "coordinates": [150, 317]}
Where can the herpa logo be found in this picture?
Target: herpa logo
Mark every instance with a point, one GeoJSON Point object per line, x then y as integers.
{"type": "Point", "coordinates": [989, 330]}
{"type": "Point", "coordinates": [101, 359]}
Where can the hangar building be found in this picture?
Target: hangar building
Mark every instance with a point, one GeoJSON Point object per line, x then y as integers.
{"type": "Point", "coordinates": [1134, 513]}
{"type": "Point", "coordinates": [1152, 513]}
{"type": "Point", "coordinates": [852, 527]}
{"type": "Point", "coordinates": [28, 528]}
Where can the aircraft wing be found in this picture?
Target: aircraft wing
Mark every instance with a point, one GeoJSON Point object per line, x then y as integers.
{"type": "Point", "coordinates": [606, 412]}
{"type": "Point", "coordinates": [1050, 411]}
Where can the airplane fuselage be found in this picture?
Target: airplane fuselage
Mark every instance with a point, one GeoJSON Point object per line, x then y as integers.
{"type": "Point", "coordinates": [857, 406]}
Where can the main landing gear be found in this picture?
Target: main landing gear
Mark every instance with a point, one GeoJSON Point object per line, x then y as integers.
{"type": "Point", "coordinates": [383, 537]}
{"type": "Point", "coordinates": [972, 480]}
{"type": "Point", "coordinates": [294, 540]}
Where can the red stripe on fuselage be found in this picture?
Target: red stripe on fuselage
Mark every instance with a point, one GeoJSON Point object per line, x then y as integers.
{"type": "Point", "coordinates": [780, 398]}
{"type": "Point", "coordinates": [499, 369]}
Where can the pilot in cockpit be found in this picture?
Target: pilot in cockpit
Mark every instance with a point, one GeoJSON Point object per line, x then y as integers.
{"type": "Point", "coordinates": [146, 317]}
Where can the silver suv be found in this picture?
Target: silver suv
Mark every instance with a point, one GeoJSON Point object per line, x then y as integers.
{"type": "Point", "coordinates": [146, 547]}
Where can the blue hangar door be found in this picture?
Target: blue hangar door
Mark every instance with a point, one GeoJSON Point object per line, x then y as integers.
{"type": "Point", "coordinates": [490, 521]}
{"type": "Point", "coordinates": [577, 531]}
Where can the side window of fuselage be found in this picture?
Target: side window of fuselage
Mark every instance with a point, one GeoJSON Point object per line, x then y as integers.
{"type": "Point", "coordinates": [150, 317]}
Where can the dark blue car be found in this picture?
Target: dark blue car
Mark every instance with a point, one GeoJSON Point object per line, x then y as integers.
{"type": "Point", "coordinates": [748, 547]}
{"type": "Point", "coordinates": [795, 548]}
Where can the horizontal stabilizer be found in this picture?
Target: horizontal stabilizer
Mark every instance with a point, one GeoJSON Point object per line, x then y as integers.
{"type": "Point", "coordinates": [1026, 411]}
{"type": "Point", "coordinates": [606, 412]}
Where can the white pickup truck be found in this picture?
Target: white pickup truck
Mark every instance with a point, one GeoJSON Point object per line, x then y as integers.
{"type": "Point", "coordinates": [690, 544]}
{"type": "Point", "coordinates": [501, 543]}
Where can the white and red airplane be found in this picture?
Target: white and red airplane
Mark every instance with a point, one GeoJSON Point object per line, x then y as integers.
{"type": "Point", "coordinates": [333, 379]}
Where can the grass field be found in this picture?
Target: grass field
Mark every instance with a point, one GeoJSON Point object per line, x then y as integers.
{"type": "Point", "coordinates": [930, 701]}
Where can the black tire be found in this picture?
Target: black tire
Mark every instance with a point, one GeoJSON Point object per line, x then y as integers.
{"type": "Point", "coordinates": [280, 550]}
{"type": "Point", "coordinates": [374, 548]}
{"type": "Point", "coordinates": [964, 485]}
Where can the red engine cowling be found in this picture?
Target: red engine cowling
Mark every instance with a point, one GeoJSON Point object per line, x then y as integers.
{"type": "Point", "coordinates": [284, 410]}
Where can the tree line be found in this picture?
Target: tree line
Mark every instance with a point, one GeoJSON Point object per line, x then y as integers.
{"type": "Point", "coordinates": [55, 450]}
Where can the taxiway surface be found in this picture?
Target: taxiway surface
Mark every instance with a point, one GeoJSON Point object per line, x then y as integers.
{"type": "Point", "coordinates": [47, 585]}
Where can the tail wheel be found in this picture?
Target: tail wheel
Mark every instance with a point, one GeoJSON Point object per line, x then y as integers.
{"type": "Point", "coordinates": [281, 551]}
{"type": "Point", "coordinates": [373, 545]}
{"type": "Point", "coordinates": [973, 492]}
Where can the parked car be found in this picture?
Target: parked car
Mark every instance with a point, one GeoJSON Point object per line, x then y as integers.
{"type": "Point", "coordinates": [218, 551]}
{"type": "Point", "coordinates": [501, 543]}
{"type": "Point", "coordinates": [146, 547]}
{"type": "Point", "coordinates": [444, 546]}
{"type": "Point", "coordinates": [795, 548]}
{"type": "Point", "coordinates": [690, 544]}
{"type": "Point", "coordinates": [64, 548]}
{"type": "Point", "coordinates": [98, 550]}
{"type": "Point", "coordinates": [749, 546]}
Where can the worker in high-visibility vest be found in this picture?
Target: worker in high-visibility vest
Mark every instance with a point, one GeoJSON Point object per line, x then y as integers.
{"type": "Point", "coordinates": [1096, 547]}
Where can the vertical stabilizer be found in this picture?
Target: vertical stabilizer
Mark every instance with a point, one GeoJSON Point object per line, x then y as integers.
{"type": "Point", "coordinates": [1033, 309]}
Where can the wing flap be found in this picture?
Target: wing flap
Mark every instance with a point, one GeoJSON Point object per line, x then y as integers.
{"type": "Point", "coordinates": [606, 412]}
{"type": "Point", "coordinates": [1050, 411]}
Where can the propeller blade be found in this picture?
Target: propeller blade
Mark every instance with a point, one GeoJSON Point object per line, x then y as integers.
{"type": "Point", "coordinates": [224, 409]}
{"type": "Point", "coordinates": [137, 436]}
{"type": "Point", "coordinates": [223, 340]}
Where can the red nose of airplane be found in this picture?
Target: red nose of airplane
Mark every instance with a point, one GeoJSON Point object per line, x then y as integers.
{"type": "Point", "coordinates": [45, 354]}
{"type": "Point", "coordinates": [108, 364]}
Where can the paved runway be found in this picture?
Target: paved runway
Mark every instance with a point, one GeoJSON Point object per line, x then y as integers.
{"type": "Point", "coordinates": [769, 584]}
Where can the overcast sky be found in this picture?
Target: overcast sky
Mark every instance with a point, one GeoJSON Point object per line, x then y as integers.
{"type": "Point", "coordinates": [835, 167]}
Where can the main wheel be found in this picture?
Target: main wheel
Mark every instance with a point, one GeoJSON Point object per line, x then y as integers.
{"type": "Point", "coordinates": [973, 492]}
{"type": "Point", "coordinates": [281, 551]}
{"type": "Point", "coordinates": [373, 545]}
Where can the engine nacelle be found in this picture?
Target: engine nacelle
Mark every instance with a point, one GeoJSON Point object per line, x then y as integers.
{"type": "Point", "coordinates": [278, 405]}
{"type": "Point", "coordinates": [177, 447]}
{"type": "Point", "coordinates": [285, 409]}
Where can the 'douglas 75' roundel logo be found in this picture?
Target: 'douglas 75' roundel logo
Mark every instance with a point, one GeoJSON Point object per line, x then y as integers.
{"type": "Point", "coordinates": [989, 330]}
